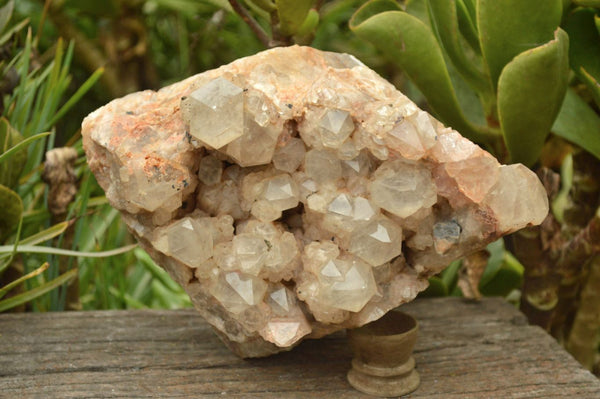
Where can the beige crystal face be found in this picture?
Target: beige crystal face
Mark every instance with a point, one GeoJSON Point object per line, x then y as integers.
{"type": "Point", "coordinates": [295, 192]}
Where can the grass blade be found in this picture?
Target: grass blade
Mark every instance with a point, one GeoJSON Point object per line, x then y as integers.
{"type": "Point", "coordinates": [4, 290]}
{"type": "Point", "coordinates": [16, 148]}
{"type": "Point", "coordinates": [32, 249]}
{"type": "Point", "coordinates": [36, 292]}
{"type": "Point", "coordinates": [46, 234]}
{"type": "Point", "coordinates": [77, 96]}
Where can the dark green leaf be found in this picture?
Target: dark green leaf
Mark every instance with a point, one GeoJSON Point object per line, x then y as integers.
{"type": "Point", "coordinates": [471, 6]}
{"type": "Point", "coordinates": [508, 277]}
{"type": "Point", "coordinates": [292, 14]}
{"type": "Point", "coordinates": [578, 123]}
{"type": "Point", "coordinates": [467, 24]}
{"type": "Point", "coordinates": [505, 280]}
{"type": "Point", "coordinates": [531, 89]}
{"type": "Point", "coordinates": [584, 49]}
{"type": "Point", "coordinates": [444, 17]}
{"type": "Point", "coordinates": [510, 27]}
{"type": "Point", "coordinates": [11, 209]}
{"type": "Point", "coordinates": [409, 43]}
{"type": "Point", "coordinates": [496, 251]}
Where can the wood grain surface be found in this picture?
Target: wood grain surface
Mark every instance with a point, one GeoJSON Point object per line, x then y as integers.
{"type": "Point", "coordinates": [465, 350]}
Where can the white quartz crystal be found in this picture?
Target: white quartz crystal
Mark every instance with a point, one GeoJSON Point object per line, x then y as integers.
{"type": "Point", "coordinates": [295, 193]}
{"type": "Point", "coordinates": [289, 156]}
{"type": "Point", "coordinates": [188, 241]}
{"type": "Point", "coordinates": [403, 188]}
{"type": "Point", "coordinates": [215, 112]}
{"type": "Point", "coordinates": [377, 242]}
{"type": "Point", "coordinates": [335, 127]}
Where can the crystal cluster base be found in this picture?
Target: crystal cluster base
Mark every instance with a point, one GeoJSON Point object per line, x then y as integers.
{"type": "Point", "coordinates": [295, 193]}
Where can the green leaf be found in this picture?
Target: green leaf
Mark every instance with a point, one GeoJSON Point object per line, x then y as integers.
{"type": "Point", "coordinates": [11, 209]}
{"type": "Point", "coordinates": [9, 138]}
{"type": "Point", "coordinates": [531, 89]}
{"type": "Point", "coordinates": [578, 123]}
{"type": "Point", "coordinates": [471, 6]}
{"type": "Point", "coordinates": [410, 44]}
{"type": "Point", "coordinates": [510, 27]}
{"type": "Point", "coordinates": [496, 251]}
{"type": "Point", "coordinates": [508, 277]}
{"type": "Point", "coordinates": [292, 14]}
{"type": "Point", "coordinates": [310, 24]}
{"type": "Point", "coordinates": [416, 8]}
{"type": "Point", "coordinates": [443, 14]}
{"type": "Point", "coordinates": [467, 24]}
{"type": "Point", "coordinates": [584, 49]}
{"type": "Point", "coordinates": [27, 296]}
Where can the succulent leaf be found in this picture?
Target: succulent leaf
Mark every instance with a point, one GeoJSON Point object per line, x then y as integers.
{"type": "Point", "coordinates": [443, 14]}
{"type": "Point", "coordinates": [510, 27]}
{"type": "Point", "coordinates": [467, 24]}
{"type": "Point", "coordinates": [531, 89]}
{"type": "Point", "coordinates": [578, 123]}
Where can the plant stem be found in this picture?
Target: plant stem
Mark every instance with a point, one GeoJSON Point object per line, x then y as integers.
{"type": "Point", "coordinates": [251, 22]}
{"type": "Point", "coordinates": [584, 338]}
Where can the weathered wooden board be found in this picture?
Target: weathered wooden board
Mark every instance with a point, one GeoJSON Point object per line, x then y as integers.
{"type": "Point", "coordinates": [465, 350]}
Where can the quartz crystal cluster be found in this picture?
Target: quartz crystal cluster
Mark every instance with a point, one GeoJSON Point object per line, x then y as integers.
{"type": "Point", "coordinates": [295, 193]}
